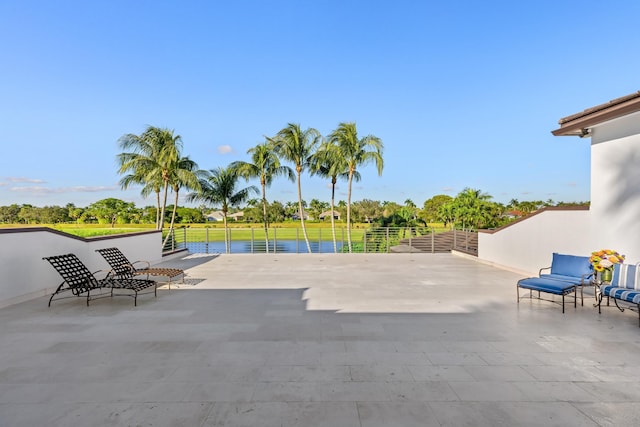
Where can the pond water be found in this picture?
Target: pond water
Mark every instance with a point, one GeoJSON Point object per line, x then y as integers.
{"type": "Point", "coordinates": [246, 247]}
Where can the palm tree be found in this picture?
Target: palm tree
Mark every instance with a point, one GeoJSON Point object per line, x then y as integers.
{"type": "Point", "coordinates": [265, 166]}
{"type": "Point", "coordinates": [218, 187]}
{"type": "Point", "coordinates": [154, 153]}
{"type": "Point", "coordinates": [184, 173]}
{"type": "Point", "coordinates": [357, 152]}
{"type": "Point", "coordinates": [329, 163]}
{"type": "Point", "coordinates": [297, 146]}
{"type": "Point", "coordinates": [472, 207]}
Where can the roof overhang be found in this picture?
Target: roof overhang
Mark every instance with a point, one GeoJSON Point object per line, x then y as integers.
{"type": "Point", "coordinates": [580, 124]}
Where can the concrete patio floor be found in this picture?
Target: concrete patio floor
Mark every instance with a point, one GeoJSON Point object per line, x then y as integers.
{"type": "Point", "coordinates": [321, 340]}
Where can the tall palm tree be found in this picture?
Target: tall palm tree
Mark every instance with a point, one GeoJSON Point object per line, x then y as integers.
{"type": "Point", "coordinates": [266, 166]}
{"type": "Point", "coordinates": [154, 153]}
{"type": "Point", "coordinates": [357, 152]}
{"type": "Point", "coordinates": [218, 187]}
{"type": "Point", "coordinates": [328, 162]}
{"type": "Point", "coordinates": [183, 173]}
{"type": "Point", "coordinates": [297, 146]}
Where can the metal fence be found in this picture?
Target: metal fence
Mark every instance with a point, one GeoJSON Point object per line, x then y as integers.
{"type": "Point", "coordinates": [291, 240]}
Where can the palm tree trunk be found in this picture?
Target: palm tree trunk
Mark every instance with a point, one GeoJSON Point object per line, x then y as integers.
{"type": "Point", "coordinates": [333, 220]}
{"type": "Point", "coordinates": [158, 210]}
{"type": "Point", "coordinates": [226, 232]}
{"type": "Point", "coordinates": [164, 206]}
{"type": "Point", "coordinates": [349, 211]}
{"type": "Point", "coordinates": [264, 213]}
{"type": "Point", "coordinates": [300, 212]}
{"type": "Point", "coordinates": [173, 219]}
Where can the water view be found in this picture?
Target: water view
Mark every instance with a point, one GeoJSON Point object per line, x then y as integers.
{"type": "Point", "coordinates": [248, 247]}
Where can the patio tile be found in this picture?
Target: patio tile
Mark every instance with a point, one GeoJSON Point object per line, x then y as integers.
{"type": "Point", "coordinates": [612, 414]}
{"type": "Point", "coordinates": [279, 414]}
{"type": "Point", "coordinates": [320, 340]}
{"type": "Point", "coordinates": [405, 414]}
{"type": "Point", "coordinates": [491, 414]}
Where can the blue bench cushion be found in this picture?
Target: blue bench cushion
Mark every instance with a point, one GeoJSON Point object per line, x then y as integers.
{"type": "Point", "coordinates": [570, 265]}
{"type": "Point", "coordinates": [622, 294]}
{"type": "Point", "coordinates": [550, 286]}
{"type": "Point", "coordinates": [626, 276]}
{"type": "Point", "coordinates": [571, 279]}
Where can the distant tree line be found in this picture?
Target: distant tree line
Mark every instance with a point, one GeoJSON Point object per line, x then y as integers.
{"type": "Point", "coordinates": [469, 209]}
{"type": "Point", "coordinates": [107, 211]}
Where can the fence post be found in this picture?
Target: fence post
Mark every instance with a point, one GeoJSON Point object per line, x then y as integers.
{"type": "Point", "coordinates": [297, 240]}
{"type": "Point", "coordinates": [388, 242]}
{"type": "Point", "coordinates": [433, 240]}
{"type": "Point", "coordinates": [252, 239]}
{"type": "Point", "coordinates": [410, 247]}
{"type": "Point", "coordinates": [275, 241]}
{"type": "Point", "coordinates": [365, 242]}
{"type": "Point", "coordinates": [319, 240]}
{"type": "Point", "coordinates": [455, 237]}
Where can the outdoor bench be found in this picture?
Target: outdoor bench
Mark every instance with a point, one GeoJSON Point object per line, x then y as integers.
{"type": "Point", "coordinates": [566, 274]}
{"type": "Point", "coordinates": [549, 286]}
{"type": "Point", "coordinates": [624, 286]}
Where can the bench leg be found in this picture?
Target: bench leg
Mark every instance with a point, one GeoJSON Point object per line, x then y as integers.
{"type": "Point", "coordinates": [563, 303]}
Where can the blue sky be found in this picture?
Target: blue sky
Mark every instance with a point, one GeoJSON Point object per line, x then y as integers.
{"type": "Point", "coordinates": [462, 93]}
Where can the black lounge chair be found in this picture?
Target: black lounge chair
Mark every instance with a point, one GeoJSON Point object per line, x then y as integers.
{"type": "Point", "coordinates": [79, 280]}
{"type": "Point", "coordinates": [122, 267]}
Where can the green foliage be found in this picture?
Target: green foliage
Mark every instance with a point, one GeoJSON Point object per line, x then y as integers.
{"type": "Point", "coordinates": [110, 211]}
{"type": "Point", "coordinates": [432, 206]}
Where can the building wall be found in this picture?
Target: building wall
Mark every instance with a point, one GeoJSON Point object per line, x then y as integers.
{"type": "Point", "coordinates": [26, 275]}
{"type": "Point", "coordinates": [527, 246]}
{"type": "Point", "coordinates": [615, 186]}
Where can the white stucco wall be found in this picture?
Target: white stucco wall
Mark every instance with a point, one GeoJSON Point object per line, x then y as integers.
{"type": "Point", "coordinates": [528, 245]}
{"type": "Point", "coordinates": [26, 275]}
{"type": "Point", "coordinates": [615, 186]}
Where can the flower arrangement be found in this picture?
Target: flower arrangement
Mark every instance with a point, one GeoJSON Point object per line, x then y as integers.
{"type": "Point", "coordinates": [604, 259]}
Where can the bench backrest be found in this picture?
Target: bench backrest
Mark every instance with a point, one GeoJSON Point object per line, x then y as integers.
{"type": "Point", "coordinates": [626, 276]}
{"type": "Point", "coordinates": [571, 265]}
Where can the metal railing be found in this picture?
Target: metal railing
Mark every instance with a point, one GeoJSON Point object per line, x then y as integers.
{"type": "Point", "coordinates": [291, 240]}
{"type": "Point", "coordinates": [465, 240]}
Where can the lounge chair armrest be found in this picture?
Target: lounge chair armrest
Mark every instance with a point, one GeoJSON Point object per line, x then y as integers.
{"type": "Point", "coordinates": [104, 273]}
{"type": "Point", "coordinates": [148, 264]}
{"type": "Point", "coordinates": [543, 269]}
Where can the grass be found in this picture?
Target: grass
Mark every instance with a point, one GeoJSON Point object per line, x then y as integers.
{"type": "Point", "coordinates": [289, 230]}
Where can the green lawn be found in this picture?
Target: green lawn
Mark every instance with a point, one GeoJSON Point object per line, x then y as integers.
{"type": "Point", "coordinates": [289, 230]}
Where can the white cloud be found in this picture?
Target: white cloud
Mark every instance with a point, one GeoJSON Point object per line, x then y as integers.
{"type": "Point", "coordinates": [18, 179]}
{"type": "Point", "coordinates": [62, 190]}
{"type": "Point", "coordinates": [225, 149]}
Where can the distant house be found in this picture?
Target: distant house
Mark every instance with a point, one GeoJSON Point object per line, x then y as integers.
{"type": "Point", "coordinates": [327, 214]}
{"type": "Point", "coordinates": [306, 216]}
{"type": "Point", "coordinates": [238, 216]}
{"type": "Point", "coordinates": [513, 214]}
{"type": "Point", "coordinates": [214, 216]}
{"type": "Point", "coordinates": [217, 216]}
